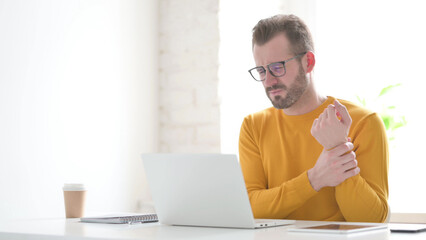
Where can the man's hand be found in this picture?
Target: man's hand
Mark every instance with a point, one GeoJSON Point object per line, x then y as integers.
{"type": "Point", "coordinates": [333, 167]}
{"type": "Point", "coordinates": [328, 129]}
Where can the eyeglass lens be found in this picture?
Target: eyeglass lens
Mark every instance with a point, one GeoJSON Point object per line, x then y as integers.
{"type": "Point", "coordinates": [277, 70]}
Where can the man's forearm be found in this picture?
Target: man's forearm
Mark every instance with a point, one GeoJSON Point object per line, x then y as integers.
{"type": "Point", "coordinates": [360, 202]}
{"type": "Point", "coordinates": [279, 202]}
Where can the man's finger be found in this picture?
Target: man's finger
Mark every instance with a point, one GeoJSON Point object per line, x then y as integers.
{"type": "Point", "coordinates": [347, 157]}
{"type": "Point", "coordinates": [314, 126]}
{"type": "Point", "coordinates": [325, 114]}
{"type": "Point", "coordinates": [330, 110]}
{"type": "Point", "coordinates": [346, 118]}
{"type": "Point", "coordinates": [322, 117]}
{"type": "Point", "coordinates": [351, 173]}
{"type": "Point", "coordinates": [348, 166]}
{"type": "Point", "coordinates": [342, 149]}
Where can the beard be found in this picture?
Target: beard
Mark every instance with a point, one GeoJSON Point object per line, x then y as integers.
{"type": "Point", "coordinates": [294, 92]}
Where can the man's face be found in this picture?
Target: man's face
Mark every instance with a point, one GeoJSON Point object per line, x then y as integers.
{"type": "Point", "coordinates": [286, 90]}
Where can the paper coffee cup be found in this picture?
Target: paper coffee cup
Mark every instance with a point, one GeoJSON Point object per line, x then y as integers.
{"type": "Point", "coordinates": [74, 199]}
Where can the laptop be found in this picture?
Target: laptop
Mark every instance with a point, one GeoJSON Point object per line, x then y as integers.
{"type": "Point", "coordinates": [201, 190]}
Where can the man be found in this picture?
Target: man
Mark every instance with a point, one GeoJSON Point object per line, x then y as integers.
{"type": "Point", "coordinates": [309, 157]}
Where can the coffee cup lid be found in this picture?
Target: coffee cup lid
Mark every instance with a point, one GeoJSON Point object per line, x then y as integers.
{"type": "Point", "coordinates": [74, 187]}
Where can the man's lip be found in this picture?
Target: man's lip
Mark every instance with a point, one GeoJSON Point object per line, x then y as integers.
{"type": "Point", "coordinates": [275, 91]}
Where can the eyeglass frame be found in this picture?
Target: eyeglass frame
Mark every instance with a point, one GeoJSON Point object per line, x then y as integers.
{"type": "Point", "coordinates": [269, 69]}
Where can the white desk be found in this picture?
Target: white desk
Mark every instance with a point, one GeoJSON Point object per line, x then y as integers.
{"type": "Point", "coordinates": [72, 229]}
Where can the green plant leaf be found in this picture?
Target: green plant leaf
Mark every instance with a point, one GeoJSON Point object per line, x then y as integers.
{"type": "Point", "coordinates": [397, 125]}
{"type": "Point", "coordinates": [388, 88]}
{"type": "Point", "coordinates": [386, 122]}
{"type": "Point", "coordinates": [391, 118]}
{"type": "Point", "coordinates": [361, 100]}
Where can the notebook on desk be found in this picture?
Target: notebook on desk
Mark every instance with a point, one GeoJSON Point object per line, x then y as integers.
{"type": "Point", "coordinates": [201, 190]}
{"type": "Point", "coordinates": [119, 218]}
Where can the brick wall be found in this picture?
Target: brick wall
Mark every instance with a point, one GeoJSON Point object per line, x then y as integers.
{"type": "Point", "coordinates": [188, 67]}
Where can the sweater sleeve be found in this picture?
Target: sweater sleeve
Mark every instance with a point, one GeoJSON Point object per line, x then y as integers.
{"type": "Point", "coordinates": [363, 198]}
{"type": "Point", "coordinates": [277, 202]}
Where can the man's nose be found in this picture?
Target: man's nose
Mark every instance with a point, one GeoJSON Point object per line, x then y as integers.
{"type": "Point", "coordinates": [270, 79]}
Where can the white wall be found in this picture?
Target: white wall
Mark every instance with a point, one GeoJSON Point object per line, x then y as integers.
{"type": "Point", "coordinates": [78, 102]}
{"type": "Point", "coordinates": [189, 104]}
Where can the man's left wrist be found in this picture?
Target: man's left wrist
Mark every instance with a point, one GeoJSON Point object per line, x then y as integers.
{"type": "Point", "coordinates": [331, 146]}
{"type": "Point", "coordinates": [327, 147]}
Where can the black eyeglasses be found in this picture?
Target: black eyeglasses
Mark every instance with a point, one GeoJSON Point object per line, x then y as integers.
{"type": "Point", "coordinates": [277, 69]}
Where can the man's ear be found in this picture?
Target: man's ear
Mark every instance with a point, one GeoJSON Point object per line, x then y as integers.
{"type": "Point", "coordinates": [310, 59]}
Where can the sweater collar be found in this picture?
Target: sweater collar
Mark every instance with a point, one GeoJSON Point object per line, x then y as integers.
{"type": "Point", "coordinates": [310, 115]}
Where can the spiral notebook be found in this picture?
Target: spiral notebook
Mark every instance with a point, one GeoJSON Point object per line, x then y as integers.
{"type": "Point", "coordinates": [128, 218]}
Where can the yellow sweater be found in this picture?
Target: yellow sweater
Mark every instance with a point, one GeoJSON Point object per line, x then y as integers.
{"type": "Point", "coordinates": [276, 150]}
